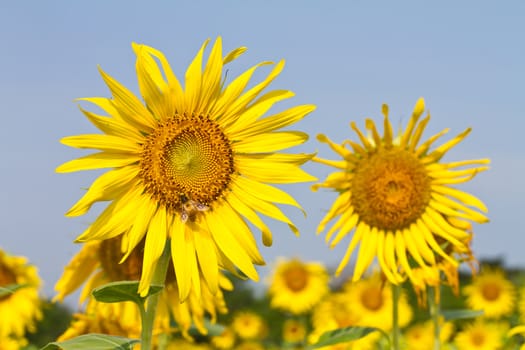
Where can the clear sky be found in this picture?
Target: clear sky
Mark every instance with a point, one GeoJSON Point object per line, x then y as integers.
{"type": "Point", "coordinates": [466, 58]}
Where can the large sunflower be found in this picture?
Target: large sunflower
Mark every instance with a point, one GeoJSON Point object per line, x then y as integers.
{"type": "Point", "coordinates": [18, 310]}
{"type": "Point", "coordinates": [95, 265]}
{"type": "Point", "coordinates": [298, 286]}
{"type": "Point", "coordinates": [482, 335]}
{"type": "Point", "coordinates": [190, 165]}
{"type": "Point", "coordinates": [395, 195]}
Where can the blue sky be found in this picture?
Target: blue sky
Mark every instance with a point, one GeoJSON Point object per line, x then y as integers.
{"type": "Point", "coordinates": [347, 57]}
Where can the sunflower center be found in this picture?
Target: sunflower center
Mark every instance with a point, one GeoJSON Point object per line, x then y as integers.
{"type": "Point", "coordinates": [7, 277]}
{"type": "Point", "coordinates": [390, 189]}
{"type": "Point", "coordinates": [110, 254]}
{"type": "Point", "coordinates": [186, 163]}
{"type": "Point", "coordinates": [478, 338]}
{"type": "Point", "coordinates": [372, 299]}
{"type": "Point", "coordinates": [296, 278]}
{"type": "Point", "coordinates": [491, 291]}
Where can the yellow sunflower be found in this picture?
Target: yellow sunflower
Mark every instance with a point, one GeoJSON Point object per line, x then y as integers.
{"type": "Point", "coordinates": [297, 286]}
{"type": "Point", "coordinates": [334, 312]}
{"type": "Point", "coordinates": [102, 318]}
{"type": "Point", "coordinates": [371, 299]}
{"type": "Point", "coordinates": [294, 331]}
{"type": "Point", "coordinates": [225, 340]}
{"type": "Point", "coordinates": [191, 165]}
{"type": "Point", "coordinates": [396, 196]}
{"type": "Point", "coordinates": [491, 292]}
{"type": "Point", "coordinates": [96, 265]}
{"type": "Point", "coordinates": [248, 325]}
{"type": "Point", "coordinates": [482, 335]}
{"type": "Point", "coordinates": [421, 335]}
{"type": "Point", "coordinates": [18, 310]}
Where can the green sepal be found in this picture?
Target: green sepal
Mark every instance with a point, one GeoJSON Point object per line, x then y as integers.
{"type": "Point", "coordinates": [343, 335]}
{"type": "Point", "coordinates": [451, 315]}
{"type": "Point", "coordinates": [116, 292]}
{"type": "Point", "coordinates": [93, 342]}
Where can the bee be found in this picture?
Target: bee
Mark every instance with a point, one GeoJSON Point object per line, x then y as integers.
{"type": "Point", "coordinates": [190, 208]}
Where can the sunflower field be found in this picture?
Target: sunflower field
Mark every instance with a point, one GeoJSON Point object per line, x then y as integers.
{"type": "Point", "coordinates": [194, 167]}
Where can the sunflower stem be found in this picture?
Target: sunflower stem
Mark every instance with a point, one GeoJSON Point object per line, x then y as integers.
{"type": "Point", "coordinates": [433, 305]}
{"type": "Point", "coordinates": [396, 292]}
{"type": "Point", "coordinates": [148, 313]}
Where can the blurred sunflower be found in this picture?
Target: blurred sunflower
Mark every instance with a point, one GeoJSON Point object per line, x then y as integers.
{"type": "Point", "coordinates": [297, 286]}
{"type": "Point", "coordinates": [225, 340]}
{"type": "Point", "coordinates": [396, 197]}
{"type": "Point", "coordinates": [491, 292]}
{"type": "Point", "coordinates": [294, 331]}
{"type": "Point", "coordinates": [420, 336]}
{"type": "Point", "coordinates": [8, 343]}
{"type": "Point", "coordinates": [481, 335]}
{"type": "Point", "coordinates": [96, 264]}
{"type": "Point", "coordinates": [248, 325]}
{"type": "Point", "coordinates": [371, 299]}
{"type": "Point", "coordinates": [20, 309]}
{"type": "Point", "coordinates": [521, 304]}
{"type": "Point", "coordinates": [190, 165]}
{"type": "Point", "coordinates": [250, 345]}
{"type": "Point", "coordinates": [105, 319]}
{"type": "Point", "coordinates": [334, 312]}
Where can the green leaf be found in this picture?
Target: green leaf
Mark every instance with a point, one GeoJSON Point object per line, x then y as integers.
{"type": "Point", "coordinates": [116, 292]}
{"type": "Point", "coordinates": [343, 335]}
{"type": "Point", "coordinates": [10, 289]}
{"type": "Point", "coordinates": [93, 342]}
{"type": "Point", "coordinates": [451, 315]}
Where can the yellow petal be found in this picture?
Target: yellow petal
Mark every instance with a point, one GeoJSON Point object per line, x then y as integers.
{"type": "Point", "coordinates": [98, 160]}
{"type": "Point", "coordinates": [252, 216]}
{"type": "Point", "coordinates": [356, 238]}
{"type": "Point", "coordinates": [271, 169]}
{"type": "Point", "coordinates": [464, 197]}
{"type": "Point", "coordinates": [183, 256]}
{"type": "Point", "coordinates": [112, 126]}
{"type": "Point", "coordinates": [129, 106]}
{"type": "Point", "coordinates": [270, 142]}
{"type": "Point", "coordinates": [207, 256]}
{"type": "Point", "coordinates": [211, 80]}
{"type": "Point", "coordinates": [103, 142]}
{"type": "Point", "coordinates": [234, 54]}
{"type": "Point", "coordinates": [106, 187]}
{"type": "Point", "coordinates": [153, 248]}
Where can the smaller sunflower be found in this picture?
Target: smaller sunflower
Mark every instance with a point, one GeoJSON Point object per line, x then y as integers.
{"type": "Point", "coordinates": [18, 310]}
{"type": "Point", "coordinates": [249, 325]}
{"type": "Point", "coordinates": [420, 336]}
{"type": "Point", "coordinates": [491, 292]}
{"type": "Point", "coordinates": [371, 299]}
{"type": "Point", "coordinates": [395, 195]}
{"type": "Point", "coordinates": [97, 264]}
{"type": "Point", "coordinates": [297, 286]}
{"type": "Point", "coordinates": [294, 331]}
{"type": "Point", "coordinates": [225, 340]}
{"type": "Point", "coordinates": [482, 335]}
{"type": "Point", "coordinates": [102, 319]}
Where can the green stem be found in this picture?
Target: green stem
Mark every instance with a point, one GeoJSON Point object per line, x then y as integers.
{"type": "Point", "coordinates": [434, 308]}
{"type": "Point", "coordinates": [148, 313]}
{"type": "Point", "coordinates": [396, 292]}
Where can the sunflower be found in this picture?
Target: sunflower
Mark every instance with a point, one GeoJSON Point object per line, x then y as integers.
{"type": "Point", "coordinates": [19, 310]}
{"type": "Point", "coordinates": [294, 331]}
{"type": "Point", "coordinates": [225, 340]}
{"type": "Point", "coordinates": [334, 312]}
{"type": "Point", "coordinates": [248, 325]}
{"type": "Point", "coordinates": [102, 319]}
{"type": "Point", "coordinates": [395, 195]}
{"type": "Point", "coordinates": [420, 336]}
{"type": "Point", "coordinates": [491, 292]}
{"type": "Point", "coordinates": [371, 299]}
{"type": "Point", "coordinates": [482, 335]}
{"type": "Point", "coordinates": [297, 286]}
{"type": "Point", "coordinates": [96, 265]}
{"type": "Point", "coordinates": [191, 165]}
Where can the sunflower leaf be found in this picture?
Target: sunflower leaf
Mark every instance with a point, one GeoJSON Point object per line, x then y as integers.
{"type": "Point", "coordinates": [116, 292]}
{"type": "Point", "coordinates": [93, 342]}
{"type": "Point", "coordinates": [342, 335]}
{"type": "Point", "coordinates": [10, 289]}
{"type": "Point", "coordinates": [451, 315]}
